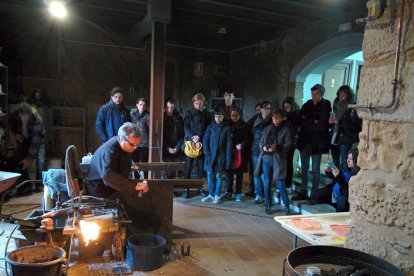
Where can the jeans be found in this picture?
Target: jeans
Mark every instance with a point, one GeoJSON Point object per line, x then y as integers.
{"type": "Point", "coordinates": [229, 182]}
{"type": "Point", "coordinates": [267, 177]}
{"type": "Point", "coordinates": [280, 183]}
{"type": "Point", "coordinates": [258, 181]}
{"type": "Point", "coordinates": [214, 183]}
{"type": "Point", "coordinates": [305, 156]}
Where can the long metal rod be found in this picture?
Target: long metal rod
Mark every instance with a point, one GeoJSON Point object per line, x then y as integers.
{"type": "Point", "coordinates": [106, 45]}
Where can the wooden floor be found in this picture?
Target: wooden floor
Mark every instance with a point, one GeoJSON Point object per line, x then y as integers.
{"type": "Point", "coordinates": [223, 241]}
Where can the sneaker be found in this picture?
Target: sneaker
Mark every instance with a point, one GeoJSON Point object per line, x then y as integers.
{"type": "Point", "coordinates": [258, 200]}
{"type": "Point", "coordinates": [227, 196]}
{"type": "Point", "coordinates": [301, 196]}
{"type": "Point", "coordinates": [217, 200]}
{"type": "Point", "coordinates": [238, 197]}
{"type": "Point", "coordinates": [208, 198]}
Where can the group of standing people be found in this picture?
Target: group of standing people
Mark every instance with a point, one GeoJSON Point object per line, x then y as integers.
{"type": "Point", "coordinates": [228, 146]}
{"type": "Point", "coordinates": [321, 131]}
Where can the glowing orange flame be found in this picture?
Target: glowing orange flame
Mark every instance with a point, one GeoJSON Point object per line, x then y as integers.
{"type": "Point", "coordinates": [90, 230]}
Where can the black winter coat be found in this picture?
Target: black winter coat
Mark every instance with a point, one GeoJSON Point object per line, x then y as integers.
{"type": "Point", "coordinates": [283, 139]}
{"type": "Point", "coordinates": [173, 133]}
{"type": "Point", "coordinates": [241, 134]}
{"type": "Point", "coordinates": [109, 170]}
{"type": "Point", "coordinates": [258, 126]}
{"type": "Point", "coordinates": [196, 122]}
{"type": "Point", "coordinates": [349, 127]}
{"type": "Point", "coordinates": [314, 123]}
{"type": "Point", "coordinates": [293, 121]}
{"type": "Point", "coordinates": [142, 121]}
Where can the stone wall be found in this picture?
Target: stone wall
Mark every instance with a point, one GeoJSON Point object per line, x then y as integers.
{"type": "Point", "coordinates": [381, 195]}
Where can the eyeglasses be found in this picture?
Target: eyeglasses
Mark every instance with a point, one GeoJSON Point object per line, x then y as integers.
{"type": "Point", "coordinates": [129, 143]}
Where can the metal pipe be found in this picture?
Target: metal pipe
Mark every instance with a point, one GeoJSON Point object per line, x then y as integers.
{"type": "Point", "coordinates": [396, 82]}
{"type": "Point", "coordinates": [106, 45]}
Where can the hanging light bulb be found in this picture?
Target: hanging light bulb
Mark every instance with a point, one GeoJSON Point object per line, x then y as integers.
{"type": "Point", "coordinates": [57, 9]}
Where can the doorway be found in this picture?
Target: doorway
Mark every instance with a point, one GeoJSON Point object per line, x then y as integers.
{"type": "Point", "coordinates": [333, 63]}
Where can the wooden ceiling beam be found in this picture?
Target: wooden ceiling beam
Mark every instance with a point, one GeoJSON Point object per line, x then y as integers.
{"type": "Point", "coordinates": [253, 9]}
{"type": "Point", "coordinates": [307, 5]}
{"type": "Point", "coordinates": [237, 18]}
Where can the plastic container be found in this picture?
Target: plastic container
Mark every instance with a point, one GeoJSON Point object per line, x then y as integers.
{"type": "Point", "coordinates": [39, 260]}
{"type": "Point", "coordinates": [145, 251]}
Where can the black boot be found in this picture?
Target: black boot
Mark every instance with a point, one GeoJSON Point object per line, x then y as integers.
{"type": "Point", "coordinates": [268, 205]}
{"type": "Point", "coordinates": [287, 211]}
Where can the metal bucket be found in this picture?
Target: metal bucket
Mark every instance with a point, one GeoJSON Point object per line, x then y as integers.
{"type": "Point", "coordinates": [39, 260]}
{"type": "Point", "coordinates": [145, 251]}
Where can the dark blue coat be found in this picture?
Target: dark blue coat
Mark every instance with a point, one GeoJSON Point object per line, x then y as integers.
{"type": "Point", "coordinates": [110, 118]}
{"type": "Point", "coordinates": [217, 147]}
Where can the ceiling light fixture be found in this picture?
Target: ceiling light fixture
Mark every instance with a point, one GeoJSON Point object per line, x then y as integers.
{"type": "Point", "coordinates": [57, 9]}
{"type": "Point", "coordinates": [222, 30]}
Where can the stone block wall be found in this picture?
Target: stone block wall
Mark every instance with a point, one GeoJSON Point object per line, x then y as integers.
{"type": "Point", "coordinates": [382, 194]}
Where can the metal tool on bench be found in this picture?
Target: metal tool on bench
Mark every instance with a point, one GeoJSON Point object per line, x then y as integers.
{"type": "Point", "coordinates": [135, 167]}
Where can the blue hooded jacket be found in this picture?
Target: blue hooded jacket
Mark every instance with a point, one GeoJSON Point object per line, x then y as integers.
{"type": "Point", "coordinates": [110, 118]}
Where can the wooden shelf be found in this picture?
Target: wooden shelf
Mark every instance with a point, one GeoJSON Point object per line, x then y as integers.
{"type": "Point", "coordinates": [68, 128]}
